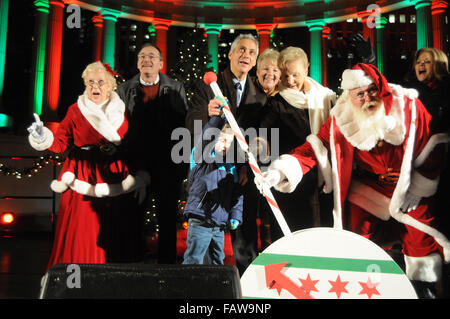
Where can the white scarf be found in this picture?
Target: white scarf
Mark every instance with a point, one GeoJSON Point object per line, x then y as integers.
{"type": "Point", "coordinates": [105, 122]}
{"type": "Point", "coordinates": [318, 101]}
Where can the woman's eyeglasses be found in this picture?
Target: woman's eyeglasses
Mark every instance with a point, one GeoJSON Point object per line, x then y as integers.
{"type": "Point", "coordinates": [100, 83]}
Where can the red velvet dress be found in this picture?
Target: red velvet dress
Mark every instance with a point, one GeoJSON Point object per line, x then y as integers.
{"type": "Point", "coordinates": [98, 220]}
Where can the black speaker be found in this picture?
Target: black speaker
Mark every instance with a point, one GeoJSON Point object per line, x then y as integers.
{"type": "Point", "coordinates": [125, 281]}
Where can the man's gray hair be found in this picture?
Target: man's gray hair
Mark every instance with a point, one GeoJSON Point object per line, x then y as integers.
{"type": "Point", "coordinates": [245, 36]}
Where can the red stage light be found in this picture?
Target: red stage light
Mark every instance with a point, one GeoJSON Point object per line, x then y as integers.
{"type": "Point", "coordinates": [7, 218]}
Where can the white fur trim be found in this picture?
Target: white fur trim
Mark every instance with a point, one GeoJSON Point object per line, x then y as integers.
{"type": "Point", "coordinates": [321, 153]}
{"type": "Point", "coordinates": [429, 147]}
{"type": "Point", "coordinates": [68, 179]}
{"type": "Point", "coordinates": [101, 190]}
{"type": "Point", "coordinates": [369, 199]}
{"type": "Point", "coordinates": [405, 171]}
{"type": "Point", "coordinates": [83, 188]}
{"type": "Point", "coordinates": [290, 167]}
{"type": "Point", "coordinates": [400, 90]}
{"type": "Point", "coordinates": [129, 183]}
{"type": "Point", "coordinates": [422, 186]}
{"type": "Point", "coordinates": [111, 190]}
{"type": "Point", "coordinates": [428, 268]}
{"type": "Point", "coordinates": [106, 123]}
{"type": "Point", "coordinates": [337, 209]}
{"type": "Point", "coordinates": [352, 79]}
{"type": "Point", "coordinates": [58, 187]}
{"type": "Point", "coordinates": [45, 143]}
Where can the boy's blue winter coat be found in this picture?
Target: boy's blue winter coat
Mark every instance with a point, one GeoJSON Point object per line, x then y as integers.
{"type": "Point", "coordinates": [214, 191]}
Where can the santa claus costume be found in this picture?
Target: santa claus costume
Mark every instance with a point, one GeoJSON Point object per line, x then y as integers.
{"type": "Point", "coordinates": [375, 167]}
{"type": "Point", "coordinates": [97, 220]}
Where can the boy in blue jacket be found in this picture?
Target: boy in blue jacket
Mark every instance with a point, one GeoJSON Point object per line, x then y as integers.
{"type": "Point", "coordinates": [215, 196]}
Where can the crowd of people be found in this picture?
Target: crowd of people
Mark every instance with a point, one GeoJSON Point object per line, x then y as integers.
{"type": "Point", "coordinates": [376, 151]}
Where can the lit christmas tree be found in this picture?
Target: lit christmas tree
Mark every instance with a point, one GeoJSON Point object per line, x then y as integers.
{"type": "Point", "coordinates": [193, 59]}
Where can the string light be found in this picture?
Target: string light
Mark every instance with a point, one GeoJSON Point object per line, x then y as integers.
{"type": "Point", "coordinates": [191, 47]}
{"type": "Point", "coordinates": [35, 168]}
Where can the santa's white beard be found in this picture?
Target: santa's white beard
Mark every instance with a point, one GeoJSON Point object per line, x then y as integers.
{"type": "Point", "coordinates": [370, 120]}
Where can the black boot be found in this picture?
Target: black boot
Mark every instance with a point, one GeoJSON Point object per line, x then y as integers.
{"type": "Point", "coordinates": [425, 290]}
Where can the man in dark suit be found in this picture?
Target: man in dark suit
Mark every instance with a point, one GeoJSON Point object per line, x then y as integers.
{"type": "Point", "coordinates": [157, 105]}
{"type": "Point", "coordinates": [245, 100]}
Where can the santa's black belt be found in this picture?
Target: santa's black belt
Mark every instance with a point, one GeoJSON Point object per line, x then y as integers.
{"type": "Point", "coordinates": [104, 149]}
{"type": "Point", "coordinates": [388, 178]}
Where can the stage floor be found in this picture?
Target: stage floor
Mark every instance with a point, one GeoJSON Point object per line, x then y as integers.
{"type": "Point", "coordinates": [24, 257]}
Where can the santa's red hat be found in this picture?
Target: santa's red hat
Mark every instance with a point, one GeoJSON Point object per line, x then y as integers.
{"type": "Point", "coordinates": [365, 74]}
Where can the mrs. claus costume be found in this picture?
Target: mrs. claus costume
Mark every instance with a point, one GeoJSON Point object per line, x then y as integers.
{"type": "Point", "coordinates": [373, 173]}
{"type": "Point", "coordinates": [97, 220]}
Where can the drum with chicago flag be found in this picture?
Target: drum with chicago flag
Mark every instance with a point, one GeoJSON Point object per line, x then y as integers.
{"type": "Point", "coordinates": [325, 263]}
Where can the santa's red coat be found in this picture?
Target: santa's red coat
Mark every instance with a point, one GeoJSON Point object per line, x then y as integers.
{"type": "Point", "coordinates": [407, 150]}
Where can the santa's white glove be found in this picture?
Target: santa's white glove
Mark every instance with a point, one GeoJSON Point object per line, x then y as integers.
{"type": "Point", "coordinates": [36, 129]}
{"type": "Point", "coordinates": [270, 178]}
{"type": "Point", "coordinates": [410, 203]}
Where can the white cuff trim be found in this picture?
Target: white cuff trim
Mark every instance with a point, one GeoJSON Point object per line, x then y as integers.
{"type": "Point", "coordinates": [429, 147]}
{"type": "Point", "coordinates": [321, 153]}
{"type": "Point", "coordinates": [428, 268]}
{"type": "Point", "coordinates": [422, 186]}
{"type": "Point", "coordinates": [291, 172]}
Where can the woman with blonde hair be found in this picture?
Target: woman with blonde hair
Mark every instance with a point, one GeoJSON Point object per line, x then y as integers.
{"type": "Point", "coordinates": [298, 110]}
{"type": "Point", "coordinates": [97, 220]}
{"type": "Point", "coordinates": [267, 71]}
{"type": "Point", "coordinates": [430, 77]}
